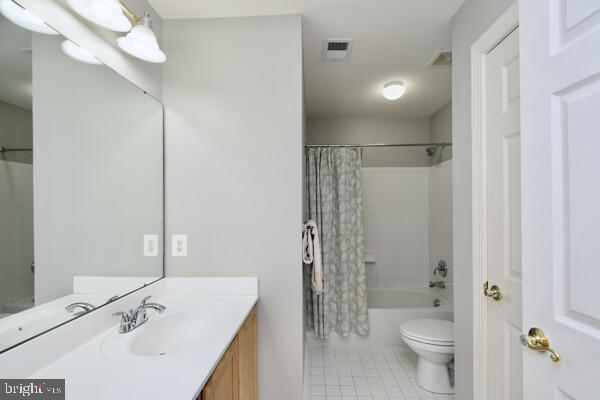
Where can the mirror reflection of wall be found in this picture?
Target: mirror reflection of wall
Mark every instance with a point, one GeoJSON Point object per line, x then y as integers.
{"type": "Point", "coordinates": [81, 182]}
{"type": "Point", "coordinates": [16, 170]}
{"type": "Point", "coordinates": [98, 172]}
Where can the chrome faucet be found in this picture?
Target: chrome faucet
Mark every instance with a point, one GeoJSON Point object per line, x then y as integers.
{"type": "Point", "coordinates": [438, 284]}
{"type": "Point", "coordinates": [85, 308]}
{"type": "Point", "coordinates": [134, 318]}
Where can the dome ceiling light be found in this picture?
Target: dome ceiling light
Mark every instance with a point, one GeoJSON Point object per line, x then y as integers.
{"type": "Point", "coordinates": [393, 90]}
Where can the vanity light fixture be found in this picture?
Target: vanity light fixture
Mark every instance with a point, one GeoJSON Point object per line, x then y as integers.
{"type": "Point", "coordinates": [78, 53]}
{"type": "Point", "coordinates": [24, 18]}
{"type": "Point", "coordinates": [105, 13]}
{"type": "Point", "coordinates": [393, 90]}
{"type": "Point", "coordinates": [141, 42]}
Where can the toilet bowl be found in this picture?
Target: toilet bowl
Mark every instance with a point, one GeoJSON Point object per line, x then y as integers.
{"type": "Point", "coordinates": [433, 341]}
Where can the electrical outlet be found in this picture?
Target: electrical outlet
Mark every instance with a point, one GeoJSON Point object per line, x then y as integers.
{"type": "Point", "coordinates": [179, 246]}
{"type": "Point", "coordinates": [150, 245]}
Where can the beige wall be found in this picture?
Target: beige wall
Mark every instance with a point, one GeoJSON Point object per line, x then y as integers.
{"type": "Point", "coordinates": [471, 21]}
{"type": "Point", "coordinates": [441, 131]}
{"type": "Point", "coordinates": [375, 130]}
{"type": "Point", "coordinates": [232, 90]}
{"type": "Point", "coordinates": [15, 132]}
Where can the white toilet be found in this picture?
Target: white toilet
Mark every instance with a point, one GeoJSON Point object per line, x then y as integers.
{"type": "Point", "coordinates": [433, 341]}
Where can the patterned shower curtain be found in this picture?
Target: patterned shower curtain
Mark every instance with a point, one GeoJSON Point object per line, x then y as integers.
{"type": "Point", "coordinates": [334, 201]}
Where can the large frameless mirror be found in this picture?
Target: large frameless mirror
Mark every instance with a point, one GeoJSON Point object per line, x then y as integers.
{"type": "Point", "coordinates": [81, 181]}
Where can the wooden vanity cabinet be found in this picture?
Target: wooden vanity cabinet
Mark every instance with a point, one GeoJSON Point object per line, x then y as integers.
{"type": "Point", "coordinates": [234, 378]}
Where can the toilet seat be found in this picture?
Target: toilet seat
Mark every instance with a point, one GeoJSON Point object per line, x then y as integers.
{"type": "Point", "coordinates": [433, 332]}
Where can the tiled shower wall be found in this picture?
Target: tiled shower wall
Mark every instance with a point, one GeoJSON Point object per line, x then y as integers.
{"type": "Point", "coordinates": [16, 231]}
{"type": "Point", "coordinates": [440, 218]}
{"type": "Point", "coordinates": [408, 224]}
{"type": "Point", "coordinates": [396, 218]}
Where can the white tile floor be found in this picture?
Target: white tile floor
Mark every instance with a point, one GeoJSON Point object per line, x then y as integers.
{"type": "Point", "coordinates": [362, 374]}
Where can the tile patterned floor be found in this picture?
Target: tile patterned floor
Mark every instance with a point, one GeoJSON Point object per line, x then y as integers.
{"type": "Point", "coordinates": [381, 373]}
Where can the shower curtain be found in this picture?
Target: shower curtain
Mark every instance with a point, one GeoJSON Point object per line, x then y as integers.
{"type": "Point", "coordinates": [334, 201]}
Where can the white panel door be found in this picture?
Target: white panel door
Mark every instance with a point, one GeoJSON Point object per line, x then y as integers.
{"type": "Point", "coordinates": [503, 218]}
{"type": "Point", "coordinates": [560, 112]}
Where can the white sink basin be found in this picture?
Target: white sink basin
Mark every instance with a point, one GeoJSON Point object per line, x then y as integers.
{"type": "Point", "coordinates": [170, 333]}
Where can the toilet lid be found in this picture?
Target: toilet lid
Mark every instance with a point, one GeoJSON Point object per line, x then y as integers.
{"type": "Point", "coordinates": [434, 331]}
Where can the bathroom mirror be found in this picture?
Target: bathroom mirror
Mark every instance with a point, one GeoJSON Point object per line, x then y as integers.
{"type": "Point", "coordinates": [81, 182]}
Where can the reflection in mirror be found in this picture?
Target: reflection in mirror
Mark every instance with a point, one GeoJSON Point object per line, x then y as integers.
{"type": "Point", "coordinates": [81, 182]}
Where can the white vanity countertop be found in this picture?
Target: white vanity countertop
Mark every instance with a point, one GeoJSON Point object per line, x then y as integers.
{"type": "Point", "coordinates": [198, 328]}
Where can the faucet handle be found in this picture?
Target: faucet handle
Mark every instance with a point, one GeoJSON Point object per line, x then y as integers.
{"type": "Point", "coordinates": [125, 324]}
{"type": "Point", "coordinates": [442, 267]}
{"type": "Point", "coordinates": [146, 299]}
{"type": "Point", "coordinates": [124, 316]}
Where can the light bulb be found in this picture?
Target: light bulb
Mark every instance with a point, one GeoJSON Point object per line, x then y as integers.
{"type": "Point", "coordinates": [105, 13]}
{"type": "Point", "coordinates": [24, 18]}
{"type": "Point", "coordinates": [78, 53]}
{"type": "Point", "coordinates": [141, 43]}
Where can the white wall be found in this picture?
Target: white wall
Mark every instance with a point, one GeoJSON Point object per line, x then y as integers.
{"type": "Point", "coordinates": [101, 42]}
{"type": "Point", "coordinates": [396, 219]}
{"type": "Point", "coordinates": [97, 170]}
{"type": "Point", "coordinates": [232, 89]}
{"type": "Point", "coordinates": [375, 130]}
{"type": "Point", "coordinates": [471, 21]}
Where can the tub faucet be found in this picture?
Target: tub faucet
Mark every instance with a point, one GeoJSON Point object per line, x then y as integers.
{"type": "Point", "coordinates": [438, 284]}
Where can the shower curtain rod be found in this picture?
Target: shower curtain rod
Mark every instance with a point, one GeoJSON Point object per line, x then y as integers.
{"type": "Point", "coordinates": [4, 149]}
{"type": "Point", "coordinates": [442, 144]}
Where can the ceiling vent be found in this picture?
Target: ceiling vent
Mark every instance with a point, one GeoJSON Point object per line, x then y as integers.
{"type": "Point", "coordinates": [441, 58]}
{"type": "Point", "coordinates": [337, 49]}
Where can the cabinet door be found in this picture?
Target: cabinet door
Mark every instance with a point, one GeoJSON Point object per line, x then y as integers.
{"type": "Point", "coordinates": [247, 358]}
{"type": "Point", "coordinates": [223, 383]}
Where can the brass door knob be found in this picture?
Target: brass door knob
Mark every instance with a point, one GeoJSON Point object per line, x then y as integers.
{"type": "Point", "coordinates": [536, 340]}
{"type": "Point", "coordinates": [493, 292]}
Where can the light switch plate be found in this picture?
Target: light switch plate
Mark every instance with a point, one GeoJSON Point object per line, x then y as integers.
{"type": "Point", "coordinates": [150, 245]}
{"type": "Point", "coordinates": [179, 246]}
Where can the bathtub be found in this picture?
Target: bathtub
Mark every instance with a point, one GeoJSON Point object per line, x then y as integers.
{"type": "Point", "coordinates": [388, 309]}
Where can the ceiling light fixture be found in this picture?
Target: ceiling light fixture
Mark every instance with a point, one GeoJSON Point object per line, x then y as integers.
{"type": "Point", "coordinates": [78, 53]}
{"type": "Point", "coordinates": [141, 42]}
{"type": "Point", "coordinates": [24, 18]}
{"type": "Point", "coordinates": [106, 13]}
{"type": "Point", "coordinates": [393, 90]}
